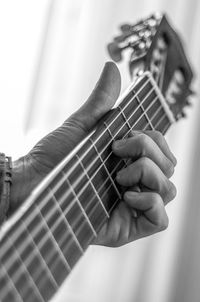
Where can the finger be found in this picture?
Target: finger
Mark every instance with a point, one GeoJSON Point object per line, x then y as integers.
{"type": "Point", "coordinates": [154, 217]}
{"type": "Point", "coordinates": [142, 145]}
{"type": "Point", "coordinates": [146, 173]}
{"type": "Point", "coordinates": [101, 100]}
{"type": "Point", "coordinates": [161, 142]}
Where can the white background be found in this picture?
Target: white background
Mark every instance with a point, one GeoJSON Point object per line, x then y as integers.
{"type": "Point", "coordinates": [51, 53]}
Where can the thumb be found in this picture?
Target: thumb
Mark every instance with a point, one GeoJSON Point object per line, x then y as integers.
{"type": "Point", "coordinates": [101, 99]}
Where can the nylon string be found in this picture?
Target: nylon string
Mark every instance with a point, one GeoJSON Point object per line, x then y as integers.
{"type": "Point", "coordinates": [126, 134]}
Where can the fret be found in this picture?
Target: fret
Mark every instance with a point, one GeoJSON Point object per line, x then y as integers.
{"type": "Point", "coordinates": [163, 123]}
{"type": "Point", "coordinates": [92, 203]}
{"type": "Point", "coordinates": [10, 288]}
{"type": "Point", "coordinates": [144, 112]}
{"type": "Point", "coordinates": [91, 183]}
{"type": "Point", "coordinates": [86, 191]}
{"type": "Point", "coordinates": [32, 288]}
{"type": "Point", "coordinates": [80, 226]}
{"type": "Point", "coordinates": [37, 261]}
{"type": "Point", "coordinates": [65, 217]}
{"type": "Point", "coordinates": [54, 239]}
{"type": "Point", "coordinates": [81, 208]}
{"type": "Point", "coordinates": [124, 117]}
{"type": "Point", "coordinates": [134, 112]}
{"type": "Point", "coordinates": [109, 131]}
{"type": "Point", "coordinates": [43, 245]}
{"type": "Point", "coordinates": [108, 173]}
{"type": "Point", "coordinates": [66, 222]}
{"type": "Point", "coordinates": [58, 228]}
{"type": "Point", "coordinates": [21, 280]}
{"type": "Point", "coordinates": [31, 258]}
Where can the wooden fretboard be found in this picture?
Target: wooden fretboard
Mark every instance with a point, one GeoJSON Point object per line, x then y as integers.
{"type": "Point", "coordinates": [44, 240]}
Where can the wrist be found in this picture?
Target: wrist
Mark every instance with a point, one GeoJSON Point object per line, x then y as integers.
{"type": "Point", "coordinates": [21, 183]}
{"type": "Point", "coordinates": [16, 192]}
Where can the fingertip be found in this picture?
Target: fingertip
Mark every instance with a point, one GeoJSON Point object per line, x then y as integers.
{"type": "Point", "coordinates": [130, 195]}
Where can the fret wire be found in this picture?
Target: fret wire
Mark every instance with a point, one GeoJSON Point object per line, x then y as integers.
{"type": "Point", "coordinates": [28, 261]}
{"type": "Point", "coordinates": [44, 239]}
{"type": "Point", "coordinates": [90, 182]}
{"type": "Point", "coordinates": [30, 279]}
{"type": "Point", "coordinates": [163, 116]}
{"type": "Point", "coordinates": [114, 203]}
{"type": "Point", "coordinates": [113, 138]}
{"type": "Point", "coordinates": [83, 211]}
{"type": "Point", "coordinates": [123, 115]}
{"type": "Point", "coordinates": [140, 104]}
{"type": "Point", "coordinates": [103, 164]}
{"type": "Point", "coordinates": [10, 281]}
{"type": "Point", "coordinates": [166, 128]}
{"type": "Point", "coordinates": [67, 223]}
{"type": "Point", "coordinates": [148, 80]}
{"type": "Point", "coordinates": [38, 252]}
{"type": "Point", "coordinates": [110, 133]}
{"type": "Point", "coordinates": [156, 112]}
{"type": "Point", "coordinates": [54, 241]}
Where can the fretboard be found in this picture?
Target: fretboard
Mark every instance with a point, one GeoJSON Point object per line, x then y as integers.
{"type": "Point", "coordinates": [44, 240]}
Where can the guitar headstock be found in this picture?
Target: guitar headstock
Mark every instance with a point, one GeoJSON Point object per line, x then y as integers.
{"type": "Point", "coordinates": [157, 48]}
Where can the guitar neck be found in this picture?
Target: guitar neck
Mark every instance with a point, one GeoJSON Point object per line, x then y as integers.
{"type": "Point", "coordinates": [44, 240]}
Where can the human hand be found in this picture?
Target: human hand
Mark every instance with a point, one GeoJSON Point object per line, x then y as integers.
{"type": "Point", "coordinates": [29, 170]}
{"type": "Point", "coordinates": [148, 189]}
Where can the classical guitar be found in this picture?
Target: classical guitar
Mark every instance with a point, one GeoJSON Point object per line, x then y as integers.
{"type": "Point", "coordinates": [42, 242]}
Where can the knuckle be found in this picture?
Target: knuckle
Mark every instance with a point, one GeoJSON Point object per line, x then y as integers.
{"type": "Point", "coordinates": [144, 162]}
{"type": "Point", "coordinates": [143, 140]}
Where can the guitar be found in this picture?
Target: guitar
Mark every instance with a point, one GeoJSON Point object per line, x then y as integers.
{"type": "Point", "coordinates": [42, 242]}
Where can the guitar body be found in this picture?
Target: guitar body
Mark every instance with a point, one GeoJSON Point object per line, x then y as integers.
{"type": "Point", "coordinates": [43, 241]}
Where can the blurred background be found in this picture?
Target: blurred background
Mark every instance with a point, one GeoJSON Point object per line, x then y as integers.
{"type": "Point", "coordinates": [51, 54]}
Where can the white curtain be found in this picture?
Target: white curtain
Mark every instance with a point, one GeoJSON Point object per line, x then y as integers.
{"type": "Point", "coordinates": [56, 50]}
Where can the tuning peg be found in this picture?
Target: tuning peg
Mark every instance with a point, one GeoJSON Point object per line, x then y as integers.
{"type": "Point", "coordinates": [115, 51]}
{"type": "Point", "coordinates": [126, 28]}
{"type": "Point", "coordinates": [122, 38]}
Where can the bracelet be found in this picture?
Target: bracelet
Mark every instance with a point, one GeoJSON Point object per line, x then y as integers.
{"type": "Point", "coordinates": [5, 184]}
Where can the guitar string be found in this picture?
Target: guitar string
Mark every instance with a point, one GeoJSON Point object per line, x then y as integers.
{"type": "Point", "coordinates": [103, 132]}
{"type": "Point", "coordinates": [106, 159]}
{"type": "Point", "coordinates": [129, 117]}
{"type": "Point", "coordinates": [108, 188]}
{"type": "Point", "coordinates": [66, 247]}
{"type": "Point", "coordinates": [154, 115]}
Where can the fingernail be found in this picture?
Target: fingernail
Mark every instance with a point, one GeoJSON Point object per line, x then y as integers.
{"type": "Point", "coordinates": [128, 195]}
{"type": "Point", "coordinates": [118, 144]}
